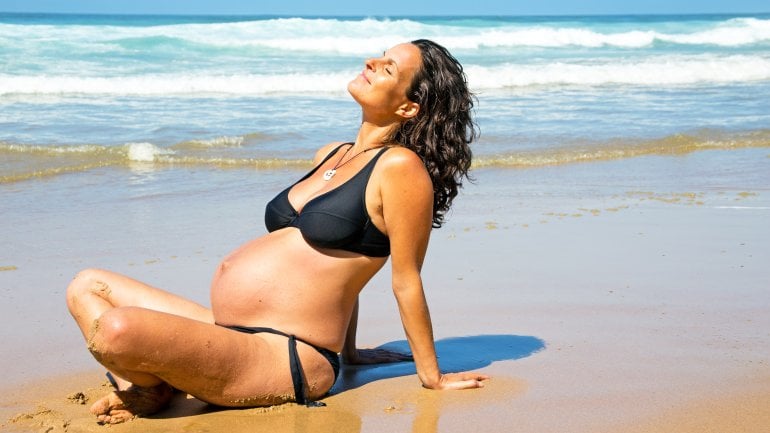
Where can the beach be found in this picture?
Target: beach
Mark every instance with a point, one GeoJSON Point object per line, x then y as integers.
{"type": "Point", "coordinates": [636, 311]}
{"type": "Point", "coordinates": [607, 265]}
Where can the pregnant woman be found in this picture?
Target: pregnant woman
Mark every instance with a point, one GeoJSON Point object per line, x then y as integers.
{"type": "Point", "coordinates": [285, 304]}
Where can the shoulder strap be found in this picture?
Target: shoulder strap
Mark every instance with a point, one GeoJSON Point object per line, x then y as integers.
{"type": "Point", "coordinates": [330, 154]}
{"type": "Point", "coordinates": [370, 165]}
{"type": "Point", "coordinates": [326, 158]}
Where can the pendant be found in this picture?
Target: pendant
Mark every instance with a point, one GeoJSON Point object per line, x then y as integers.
{"type": "Point", "coordinates": [328, 174]}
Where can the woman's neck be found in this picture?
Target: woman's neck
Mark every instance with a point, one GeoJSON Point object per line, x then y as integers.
{"type": "Point", "coordinates": [372, 135]}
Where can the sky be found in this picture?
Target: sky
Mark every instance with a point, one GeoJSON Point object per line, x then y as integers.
{"type": "Point", "coordinates": [387, 8]}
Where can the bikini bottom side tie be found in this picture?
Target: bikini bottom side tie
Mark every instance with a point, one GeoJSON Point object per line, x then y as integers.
{"type": "Point", "coordinates": [297, 374]}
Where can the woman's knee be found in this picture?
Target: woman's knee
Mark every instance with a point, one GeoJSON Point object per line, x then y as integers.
{"type": "Point", "coordinates": [115, 332]}
{"type": "Point", "coordinates": [86, 283]}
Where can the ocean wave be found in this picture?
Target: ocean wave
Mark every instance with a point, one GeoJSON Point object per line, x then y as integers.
{"type": "Point", "coordinates": [368, 36]}
{"type": "Point", "coordinates": [216, 142]}
{"type": "Point", "coordinates": [732, 33]}
{"type": "Point", "coordinates": [28, 162]}
{"type": "Point", "coordinates": [173, 84]}
{"type": "Point", "coordinates": [360, 37]}
{"type": "Point", "coordinates": [677, 144]}
{"type": "Point", "coordinates": [660, 70]}
{"type": "Point", "coordinates": [145, 152]}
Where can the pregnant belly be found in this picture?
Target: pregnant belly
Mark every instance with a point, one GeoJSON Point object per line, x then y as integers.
{"type": "Point", "coordinates": [279, 280]}
{"type": "Point", "coordinates": [248, 283]}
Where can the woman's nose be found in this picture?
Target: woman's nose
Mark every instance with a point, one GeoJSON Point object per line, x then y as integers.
{"type": "Point", "coordinates": [372, 63]}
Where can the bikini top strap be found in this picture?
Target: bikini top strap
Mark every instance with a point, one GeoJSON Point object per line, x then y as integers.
{"type": "Point", "coordinates": [326, 158]}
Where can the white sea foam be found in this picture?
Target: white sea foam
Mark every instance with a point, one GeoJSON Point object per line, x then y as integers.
{"type": "Point", "coordinates": [225, 141]}
{"type": "Point", "coordinates": [736, 32]}
{"type": "Point", "coordinates": [176, 84]}
{"type": "Point", "coordinates": [662, 70]}
{"type": "Point", "coordinates": [299, 55]}
{"type": "Point", "coordinates": [145, 152]}
{"type": "Point", "coordinates": [367, 36]}
{"type": "Point", "coordinates": [364, 36]}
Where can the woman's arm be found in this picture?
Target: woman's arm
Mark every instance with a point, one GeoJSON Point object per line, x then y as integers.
{"type": "Point", "coordinates": [349, 351]}
{"type": "Point", "coordinates": [352, 355]}
{"type": "Point", "coordinates": [407, 203]}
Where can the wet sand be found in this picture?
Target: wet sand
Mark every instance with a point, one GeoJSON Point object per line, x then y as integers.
{"type": "Point", "coordinates": [636, 310]}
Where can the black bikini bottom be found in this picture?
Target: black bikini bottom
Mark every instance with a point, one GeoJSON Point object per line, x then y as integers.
{"type": "Point", "coordinates": [297, 375]}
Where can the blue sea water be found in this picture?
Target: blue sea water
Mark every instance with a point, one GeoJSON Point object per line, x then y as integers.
{"type": "Point", "coordinates": [80, 91]}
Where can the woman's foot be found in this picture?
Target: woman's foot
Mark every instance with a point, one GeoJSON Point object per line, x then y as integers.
{"type": "Point", "coordinates": [120, 406]}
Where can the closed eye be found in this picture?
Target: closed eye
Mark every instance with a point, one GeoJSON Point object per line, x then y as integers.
{"type": "Point", "coordinates": [390, 64]}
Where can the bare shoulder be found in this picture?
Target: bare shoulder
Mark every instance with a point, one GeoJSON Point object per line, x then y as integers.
{"type": "Point", "coordinates": [407, 204]}
{"type": "Point", "coordinates": [324, 150]}
{"type": "Point", "coordinates": [399, 162]}
{"type": "Point", "coordinates": [404, 176]}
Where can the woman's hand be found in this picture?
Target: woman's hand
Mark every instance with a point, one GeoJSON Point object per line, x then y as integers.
{"type": "Point", "coordinates": [374, 356]}
{"type": "Point", "coordinates": [464, 380]}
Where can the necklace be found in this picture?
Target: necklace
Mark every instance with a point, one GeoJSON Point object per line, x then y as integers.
{"type": "Point", "coordinates": [328, 174]}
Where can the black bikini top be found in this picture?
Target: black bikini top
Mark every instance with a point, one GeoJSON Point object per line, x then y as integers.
{"type": "Point", "coordinates": [335, 219]}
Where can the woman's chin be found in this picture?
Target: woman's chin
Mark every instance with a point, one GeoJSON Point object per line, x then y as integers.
{"type": "Point", "coordinates": [354, 90]}
{"type": "Point", "coordinates": [353, 87]}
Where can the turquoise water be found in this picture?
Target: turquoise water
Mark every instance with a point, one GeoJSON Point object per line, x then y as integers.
{"type": "Point", "coordinates": [80, 92]}
{"type": "Point", "coordinates": [249, 89]}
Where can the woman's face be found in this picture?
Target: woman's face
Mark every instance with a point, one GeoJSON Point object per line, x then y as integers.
{"type": "Point", "coordinates": [381, 87]}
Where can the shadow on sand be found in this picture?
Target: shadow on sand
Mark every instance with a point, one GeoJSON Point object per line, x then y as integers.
{"type": "Point", "coordinates": [455, 354]}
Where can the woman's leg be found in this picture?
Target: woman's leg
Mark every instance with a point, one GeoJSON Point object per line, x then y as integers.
{"type": "Point", "coordinates": [215, 364]}
{"type": "Point", "coordinates": [154, 339]}
{"type": "Point", "coordinates": [94, 291]}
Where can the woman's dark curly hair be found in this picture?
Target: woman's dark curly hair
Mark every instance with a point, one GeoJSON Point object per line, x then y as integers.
{"type": "Point", "coordinates": [443, 128]}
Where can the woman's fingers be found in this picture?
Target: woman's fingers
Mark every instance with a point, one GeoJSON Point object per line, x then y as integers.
{"type": "Point", "coordinates": [465, 384]}
{"type": "Point", "coordinates": [465, 380]}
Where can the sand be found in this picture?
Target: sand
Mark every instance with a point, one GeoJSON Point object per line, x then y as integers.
{"type": "Point", "coordinates": [634, 311]}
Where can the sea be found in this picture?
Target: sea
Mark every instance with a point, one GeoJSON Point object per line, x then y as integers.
{"type": "Point", "coordinates": [85, 92]}
{"type": "Point", "coordinates": [150, 144]}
